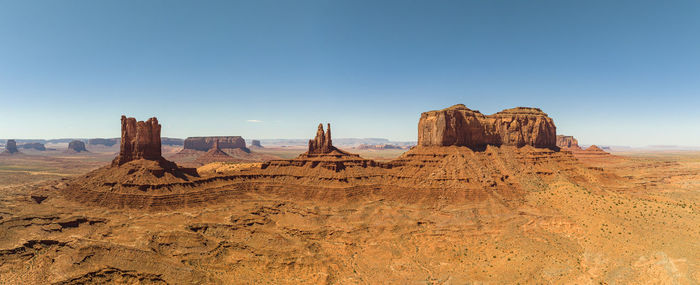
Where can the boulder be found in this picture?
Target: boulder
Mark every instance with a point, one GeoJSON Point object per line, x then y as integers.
{"type": "Point", "coordinates": [461, 126]}
{"type": "Point", "coordinates": [76, 146]}
{"type": "Point", "coordinates": [206, 143]}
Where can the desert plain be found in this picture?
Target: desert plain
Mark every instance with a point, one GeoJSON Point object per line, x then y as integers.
{"type": "Point", "coordinates": [514, 209]}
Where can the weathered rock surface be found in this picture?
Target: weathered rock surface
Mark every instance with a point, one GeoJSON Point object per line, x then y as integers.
{"type": "Point", "coordinates": [76, 146]}
{"type": "Point", "coordinates": [206, 143]}
{"type": "Point", "coordinates": [140, 140]}
{"type": "Point", "coordinates": [34, 146]}
{"type": "Point", "coordinates": [460, 126]}
{"type": "Point", "coordinates": [105, 142]}
{"type": "Point", "coordinates": [567, 142]}
{"type": "Point", "coordinates": [11, 147]}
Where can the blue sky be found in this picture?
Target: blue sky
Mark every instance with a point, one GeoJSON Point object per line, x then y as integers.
{"type": "Point", "coordinates": [608, 72]}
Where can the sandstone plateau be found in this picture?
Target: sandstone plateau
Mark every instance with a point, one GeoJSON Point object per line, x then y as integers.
{"type": "Point", "coordinates": [460, 126]}
{"type": "Point", "coordinates": [105, 142]}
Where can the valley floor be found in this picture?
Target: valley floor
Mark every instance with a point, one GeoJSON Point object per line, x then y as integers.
{"type": "Point", "coordinates": [643, 232]}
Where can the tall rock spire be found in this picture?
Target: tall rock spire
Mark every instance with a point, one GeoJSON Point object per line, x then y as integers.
{"type": "Point", "coordinates": [139, 140]}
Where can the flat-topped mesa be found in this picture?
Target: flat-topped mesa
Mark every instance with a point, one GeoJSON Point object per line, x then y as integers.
{"type": "Point", "coordinates": [76, 146]}
{"type": "Point", "coordinates": [206, 143]}
{"type": "Point", "coordinates": [11, 147]}
{"type": "Point", "coordinates": [461, 126]}
{"type": "Point", "coordinates": [567, 142]}
{"type": "Point", "coordinates": [139, 140]}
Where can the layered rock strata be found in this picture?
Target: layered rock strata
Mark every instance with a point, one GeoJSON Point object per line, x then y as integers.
{"type": "Point", "coordinates": [461, 126]}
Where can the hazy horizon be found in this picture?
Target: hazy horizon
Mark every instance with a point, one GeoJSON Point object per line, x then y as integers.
{"type": "Point", "coordinates": [610, 73]}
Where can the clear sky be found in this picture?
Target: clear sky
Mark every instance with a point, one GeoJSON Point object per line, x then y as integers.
{"type": "Point", "coordinates": [608, 72]}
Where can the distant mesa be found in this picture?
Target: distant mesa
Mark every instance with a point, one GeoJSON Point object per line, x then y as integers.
{"type": "Point", "coordinates": [567, 142]}
{"type": "Point", "coordinates": [206, 143]}
{"type": "Point", "coordinates": [379, 146]}
{"type": "Point", "coordinates": [105, 142]}
{"type": "Point", "coordinates": [76, 147]}
{"type": "Point", "coordinates": [215, 154]}
{"type": "Point", "coordinates": [11, 147]}
{"type": "Point", "coordinates": [460, 126]}
{"type": "Point", "coordinates": [172, 141]}
{"type": "Point", "coordinates": [34, 146]}
{"type": "Point", "coordinates": [255, 144]}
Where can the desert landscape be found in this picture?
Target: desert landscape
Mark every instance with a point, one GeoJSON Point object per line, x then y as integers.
{"type": "Point", "coordinates": [349, 142]}
{"type": "Point", "coordinates": [479, 199]}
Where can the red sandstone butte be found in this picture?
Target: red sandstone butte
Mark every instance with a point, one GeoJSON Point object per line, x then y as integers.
{"type": "Point", "coordinates": [567, 142]}
{"type": "Point", "coordinates": [139, 140]}
{"type": "Point", "coordinates": [461, 126]}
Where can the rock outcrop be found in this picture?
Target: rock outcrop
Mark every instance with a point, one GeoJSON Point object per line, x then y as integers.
{"type": "Point", "coordinates": [256, 144]}
{"type": "Point", "coordinates": [34, 146]}
{"type": "Point", "coordinates": [460, 126]}
{"type": "Point", "coordinates": [567, 142]}
{"type": "Point", "coordinates": [322, 153]}
{"type": "Point", "coordinates": [140, 140]}
{"type": "Point", "coordinates": [76, 147]}
{"type": "Point", "coordinates": [11, 147]}
{"type": "Point", "coordinates": [206, 143]}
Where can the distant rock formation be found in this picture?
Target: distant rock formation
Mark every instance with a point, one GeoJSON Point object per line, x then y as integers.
{"type": "Point", "coordinates": [322, 143]}
{"type": "Point", "coordinates": [460, 126]}
{"type": "Point", "coordinates": [379, 146]}
{"type": "Point", "coordinates": [172, 141]}
{"type": "Point", "coordinates": [34, 146]}
{"type": "Point", "coordinates": [140, 140]}
{"type": "Point", "coordinates": [215, 154]}
{"type": "Point", "coordinates": [322, 153]}
{"type": "Point", "coordinates": [76, 146]}
{"type": "Point", "coordinates": [256, 144]}
{"type": "Point", "coordinates": [567, 142]}
{"type": "Point", "coordinates": [206, 143]}
{"type": "Point", "coordinates": [105, 142]}
{"type": "Point", "coordinates": [11, 147]}
{"type": "Point", "coordinates": [595, 150]}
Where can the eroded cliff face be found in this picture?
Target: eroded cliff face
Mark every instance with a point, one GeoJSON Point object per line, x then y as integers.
{"type": "Point", "coordinates": [139, 140]}
{"type": "Point", "coordinates": [461, 126]}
